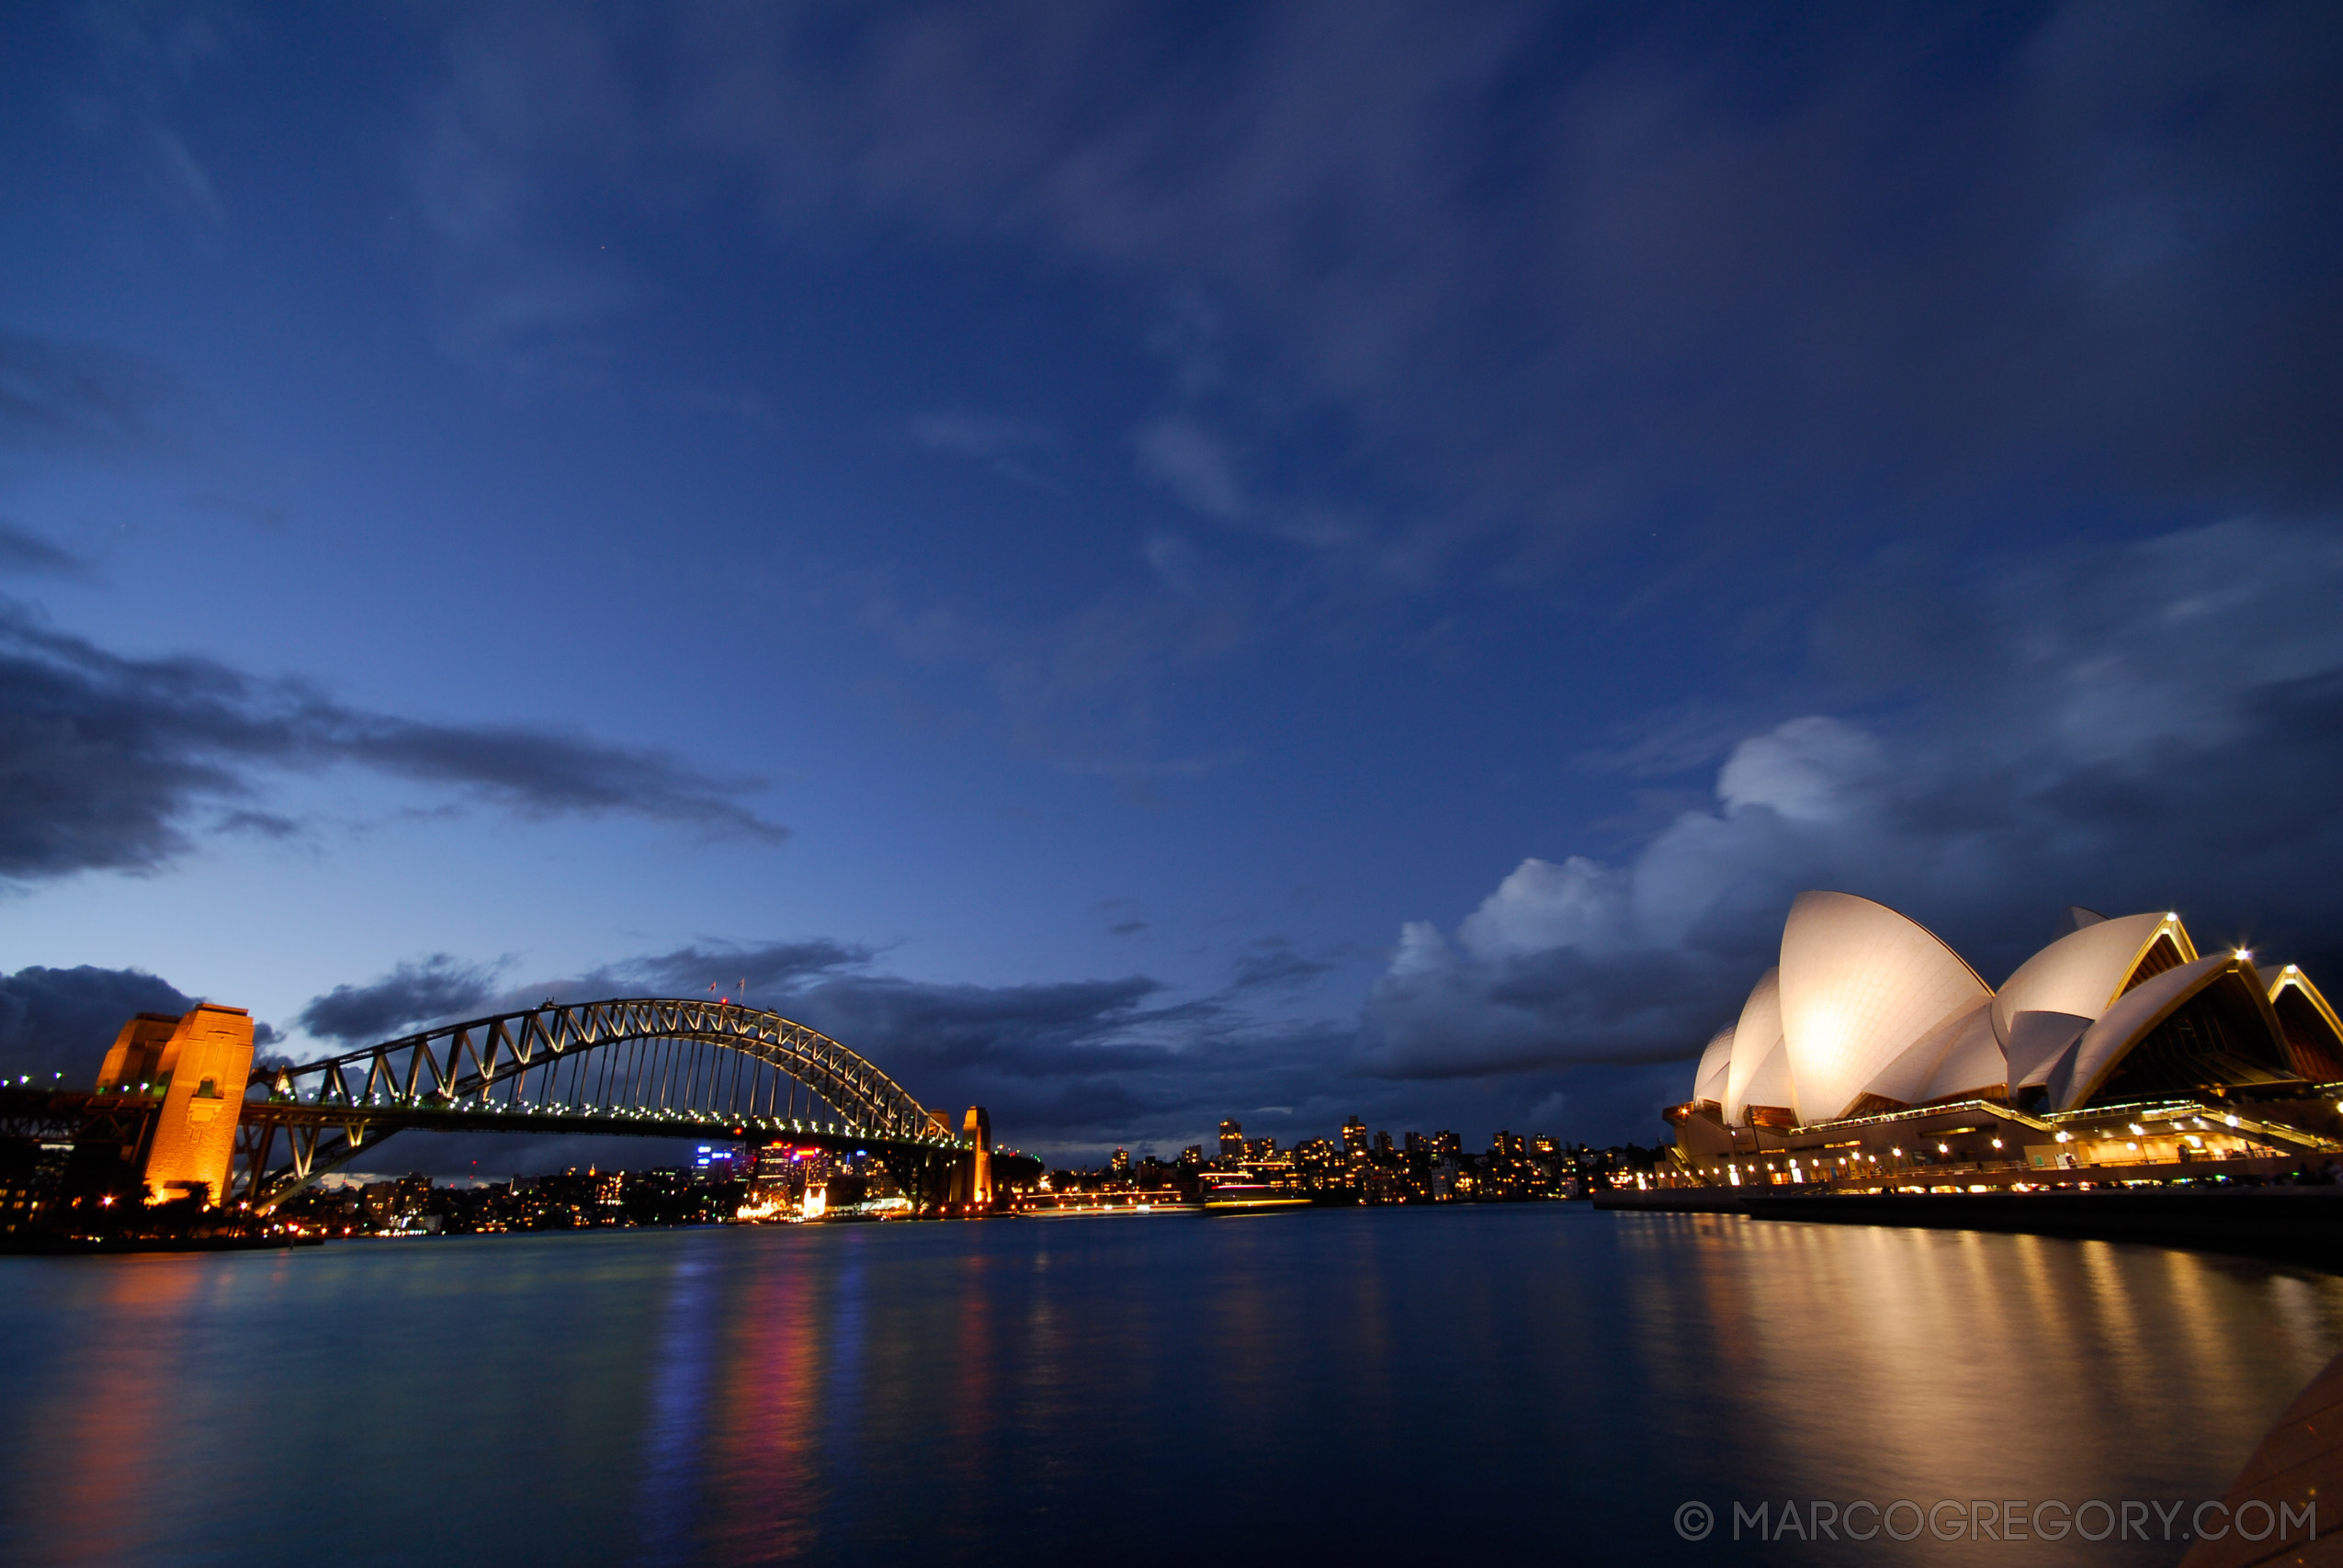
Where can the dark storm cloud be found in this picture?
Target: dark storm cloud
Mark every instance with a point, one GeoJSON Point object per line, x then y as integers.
{"type": "Point", "coordinates": [1073, 1061]}
{"type": "Point", "coordinates": [2142, 726]}
{"type": "Point", "coordinates": [1032, 1030]}
{"type": "Point", "coordinates": [105, 757]}
{"type": "Point", "coordinates": [1071, 1067]}
{"type": "Point", "coordinates": [1562, 270]}
{"type": "Point", "coordinates": [1057, 1055]}
{"type": "Point", "coordinates": [420, 991]}
{"type": "Point", "coordinates": [62, 1021]}
{"type": "Point", "coordinates": [1063, 1063]}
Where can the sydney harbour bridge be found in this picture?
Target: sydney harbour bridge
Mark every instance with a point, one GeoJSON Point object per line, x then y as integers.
{"type": "Point", "coordinates": [647, 1066]}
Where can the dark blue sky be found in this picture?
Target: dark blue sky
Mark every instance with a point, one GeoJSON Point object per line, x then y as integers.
{"type": "Point", "coordinates": [1142, 563]}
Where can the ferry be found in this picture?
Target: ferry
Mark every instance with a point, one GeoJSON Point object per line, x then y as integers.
{"type": "Point", "coordinates": [1067, 1205]}
{"type": "Point", "coordinates": [1251, 1196]}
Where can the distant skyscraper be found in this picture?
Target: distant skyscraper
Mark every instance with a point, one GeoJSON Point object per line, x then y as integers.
{"type": "Point", "coordinates": [1383, 1142]}
{"type": "Point", "coordinates": [1122, 1162]}
{"type": "Point", "coordinates": [1232, 1139]}
{"type": "Point", "coordinates": [1355, 1136]}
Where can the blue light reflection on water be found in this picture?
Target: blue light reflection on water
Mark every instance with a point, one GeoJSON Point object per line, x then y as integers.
{"type": "Point", "coordinates": [683, 1366]}
{"type": "Point", "coordinates": [1544, 1379]}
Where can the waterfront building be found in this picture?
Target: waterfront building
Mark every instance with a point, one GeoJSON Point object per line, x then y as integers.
{"type": "Point", "coordinates": [1355, 1137]}
{"type": "Point", "coordinates": [1873, 1051]}
{"type": "Point", "coordinates": [1232, 1139]}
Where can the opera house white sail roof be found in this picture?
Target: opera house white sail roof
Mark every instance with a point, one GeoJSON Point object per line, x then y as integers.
{"type": "Point", "coordinates": [1871, 1011]}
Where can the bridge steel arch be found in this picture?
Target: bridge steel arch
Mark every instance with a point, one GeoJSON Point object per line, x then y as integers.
{"type": "Point", "coordinates": [645, 1065]}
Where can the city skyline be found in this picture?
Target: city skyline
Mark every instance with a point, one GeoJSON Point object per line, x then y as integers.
{"type": "Point", "coordinates": [1181, 561]}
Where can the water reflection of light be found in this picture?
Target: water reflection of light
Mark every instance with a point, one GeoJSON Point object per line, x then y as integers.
{"type": "Point", "coordinates": [864, 1393]}
{"type": "Point", "coordinates": [116, 1428]}
{"type": "Point", "coordinates": [1892, 1363]}
{"type": "Point", "coordinates": [676, 1420]}
{"type": "Point", "coordinates": [792, 1334]}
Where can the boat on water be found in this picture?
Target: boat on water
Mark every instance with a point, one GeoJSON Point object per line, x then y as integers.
{"type": "Point", "coordinates": [1251, 1198]}
{"type": "Point", "coordinates": [1078, 1204]}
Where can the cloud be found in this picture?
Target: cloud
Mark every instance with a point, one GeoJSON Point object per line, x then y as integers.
{"type": "Point", "coordinates": [1079, 1062]}
{"type": "Point", "coordinates": [24, 552]}
{"type": "Point", "coordinates": [105, 757]}
{"type": "Point", "coordinates": [66, 402]}
{"type": "Point", "coordinates": [141, 62]}
{"type": "Point", "coordinates": [1271, 963]}
{"type": "Point", "coordinates": [1069, 1061]}
{"type": "Point", "coordinates": [66, 399]}
{"type": "Point", "coordinates": [1069, 1068]}
{"type": "Point", "coordinates": [421, 991]}
{"type": "Point", "coordinates": [1084, 690]}
{"type": "Point", "coordinates": [2151, 726]}
{"type": "Point", "coordinates": [756, 971]}
{"type": "Point", "coordinates": [1056, 1056]}
{"type": "Point", "coordinates": [63, 1021]}
{"type": "Point", "coordinates": [1018, 449]}
{"type": "Point", "coordinates": [1192, 463]}
{"type": "Point", "coordinates": [1562, 274]}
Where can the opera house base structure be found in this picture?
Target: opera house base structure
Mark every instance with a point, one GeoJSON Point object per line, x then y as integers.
{"type": "Point", "coordinates": [1875, 1059]}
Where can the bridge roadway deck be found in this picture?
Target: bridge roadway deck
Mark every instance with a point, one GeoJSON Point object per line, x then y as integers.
{"type": "Point", "coordinates": [381, 1119]}
{"type": "Point", "coordinates": [63, 1114]}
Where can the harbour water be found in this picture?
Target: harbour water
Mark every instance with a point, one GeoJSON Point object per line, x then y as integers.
{"type": "Point", "coordinates": [1543, 1381]}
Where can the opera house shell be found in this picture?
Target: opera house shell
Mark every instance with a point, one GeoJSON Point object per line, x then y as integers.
{"type": "Point", "coordinates": [1871, 1023]}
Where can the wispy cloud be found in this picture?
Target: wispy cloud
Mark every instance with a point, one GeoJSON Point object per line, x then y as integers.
{"type": "Point", "coordinates": [108, 757]}
{"type": "Point", "coordinates": [25, 553]}
{"type": "Point", "coordinates": [142, 62]}
{"type": "Point", "coordinates": [86, 400]}
{"type": "Point", "coordinates": [1017, 449]}
{"type": "Point", "coordinates": [1558, 277]}
{"type": "Point", "coordinates": [1194, 465]}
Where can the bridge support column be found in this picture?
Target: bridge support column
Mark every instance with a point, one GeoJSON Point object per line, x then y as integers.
{"type": "Point", "coordinates": [199, 1065]}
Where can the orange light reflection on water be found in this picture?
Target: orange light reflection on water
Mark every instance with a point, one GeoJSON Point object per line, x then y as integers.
{"type": "Point", "coordinates": [1891, 1363]}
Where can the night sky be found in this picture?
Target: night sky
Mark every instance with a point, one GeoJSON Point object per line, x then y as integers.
{"type": "Point", "coordinates": [1142, 563]}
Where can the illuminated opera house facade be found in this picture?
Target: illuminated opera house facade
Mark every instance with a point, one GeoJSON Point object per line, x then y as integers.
{"type": "Point", "coordinates": [1874, 1054]}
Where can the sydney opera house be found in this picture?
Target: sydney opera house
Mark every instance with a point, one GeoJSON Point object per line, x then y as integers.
{"type": "Point", "coordinates": [1873, 1054]}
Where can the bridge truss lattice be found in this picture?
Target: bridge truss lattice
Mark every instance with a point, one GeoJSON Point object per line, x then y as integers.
{"type": "Point", "coordinates": [649, 1066]}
